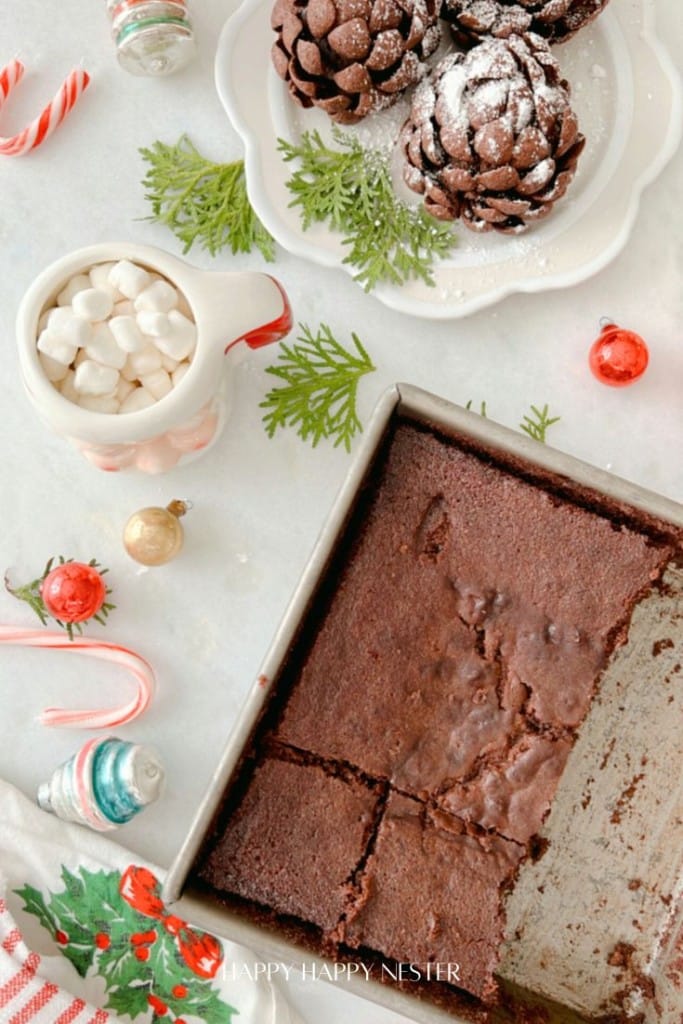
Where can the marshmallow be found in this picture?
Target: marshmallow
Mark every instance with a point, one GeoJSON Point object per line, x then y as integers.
{"type": "Point", "coordinates": [53, 370]}
{"type": "Point", "coordinates": [99, 278]}
{"type": "Point", "coordinates": [68, 387]}
{"type": "Point", "coordinates": [137, 400]}
{"type": "Point", "coordinates": [93, 304]}
{"type": "Point", "coordinates": [153, 323]}
{"type": "Point", "coordinates": [169, 363]}
{"type": "Point", "coordinates": [158, 297]}
{"type": "Point", "coordinates": [56, 347]}
{"type": "Point", "coordinates": [183, 306]}
{"type": "Point", "coordinates": [61, 321]}
{"type": "Point", "coordinates": [99, 403]}
{"type": "Point", "coordinates": [129, 278]}
{"type": "Point", "coordinates": [74, 285]}
{"type": "Point", "coordinates": [158, 383]}
{"type": "Point", "coordinates": [146, 361]}
{"type": "Point", "coordinates": [94, 379]}
{"type": "Point", "coordinates": [124, 388]}
{"type": "Point", "coordinates": [127, 334]}
{"type": "Point", "coordinates": [123, 308]}
{"type": "Point", "coordinates": [128, 371]}
{"type": "Point", "coordinates": [181, 339]}
{"type": "Point", "coordinates": [179, 373]}
{"type": "Point", "coordinates": [104, 349]}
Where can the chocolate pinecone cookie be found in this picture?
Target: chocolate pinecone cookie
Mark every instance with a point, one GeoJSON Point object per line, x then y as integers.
{"type": "Point", "coordinates": [555, 20]}
{"type": "Point", "coordinates": [351, 57]}
{"type": "Point", "coordinates": [491, 135]}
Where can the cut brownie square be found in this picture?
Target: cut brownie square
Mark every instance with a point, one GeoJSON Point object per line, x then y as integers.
{"type": "Point", "coordinates": [294, 842]}
{"type": "Point", "coordinates": [429, 895]}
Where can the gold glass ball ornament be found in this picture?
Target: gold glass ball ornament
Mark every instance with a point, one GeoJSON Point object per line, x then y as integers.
{"type": "Point", "coordinates": [154, 535]}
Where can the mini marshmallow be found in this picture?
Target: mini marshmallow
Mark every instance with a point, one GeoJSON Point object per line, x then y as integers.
{"type": "Point", "coordinates": [103, 348]}
{"type": "Point", "coordinates": [128, 372]}
{"type": "Point", "coordinates": [62, 321]}
{"type": "Point", "coordinates": [57, 348]}
{"type": "Point", "coordinates": [124, 388]}
{"type": "Point", "coordinates": [127, 334]}
{"type": "Point", "coordinates": [68, 387]}
{"type": "Point", "coordinates": [99, 403]}
{"type": "Point", "coordinates": [92, 304]}
{"type": "Point", "coordinates": [94, 379]}
{"type": "Point", "coordinates": [129, 278]}
{"type": "Point", "coordinates": [53, 370]}
{"type": "Point", "coordinates": [152, 323]}
{"type": "Point", "coordinates": [74, 285]}
{"type": "Point", "coordinates": [123, 308]}
{"type": "Point", "coordinates": [137, 400]}
{"type": "Point", "coordinates": [181, 339]}
{"type": "Point", "coordinates": [158, 297]}
{"type": "Point", "coordinates": [146, 361]}
{"type": "Point", "coordinates": [99, 278]}
{"type": "Point", "coordinates": [169, 363]}
{"type": "Point", "coordinates": [179, 373]}
{"type": "Point", "coordinates": [158, 383]}
{"type": "Point", "coordinates": [183, 306]}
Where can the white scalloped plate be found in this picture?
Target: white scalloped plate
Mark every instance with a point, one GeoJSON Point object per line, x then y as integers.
{"type": "Point", "coordinates": [628, 99]}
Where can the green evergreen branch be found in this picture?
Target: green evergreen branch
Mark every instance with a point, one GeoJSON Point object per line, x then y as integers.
{"type": "Point", "coordinates": [536, 424]}
{"type": "Point", "coordinates": [318, 396]}
{"type": "Point", "coordinates": [201, 201]}
{"type": "Point", "coordinates": [350, 188]}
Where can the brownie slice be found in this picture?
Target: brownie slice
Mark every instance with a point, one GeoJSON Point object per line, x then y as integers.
{"type": "Point", "coordinates": [430, 894]}
{"type": "Point", "coordinates": [294, 842]}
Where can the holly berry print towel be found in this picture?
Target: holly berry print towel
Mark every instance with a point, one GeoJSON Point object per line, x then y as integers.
{"type": "Point", "coordinates": [86, 939]}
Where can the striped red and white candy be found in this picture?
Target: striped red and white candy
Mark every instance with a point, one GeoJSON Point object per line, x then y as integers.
{"type": "Point", "coordinates": [50, 118]}
{"type": "Point", "coordinates": [84, 718]}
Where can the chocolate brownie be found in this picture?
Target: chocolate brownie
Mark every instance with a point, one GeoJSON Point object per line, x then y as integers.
{"type": "Point", "coordinates": [295, 840]}
{"type": "Point", "coordinates": [431, 702]}
{"type": "Point", "coordinates": [432, 894]}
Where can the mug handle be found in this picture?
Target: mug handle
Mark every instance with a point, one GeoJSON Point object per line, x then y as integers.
{"type": "Point", "coordinates": [272, 331]}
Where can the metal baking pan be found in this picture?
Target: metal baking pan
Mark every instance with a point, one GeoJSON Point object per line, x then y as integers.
{"type": "Point", "coordinates": [595, 927]}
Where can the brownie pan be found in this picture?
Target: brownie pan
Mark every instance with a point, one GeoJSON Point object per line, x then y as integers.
{"type": "Point", "coordinates": [591, 923]}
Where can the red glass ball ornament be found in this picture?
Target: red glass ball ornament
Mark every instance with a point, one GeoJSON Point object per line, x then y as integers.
{"type": "Point", "coordinates": [73, 592]}
{"type": "Point", "coordinates": [618, 357]}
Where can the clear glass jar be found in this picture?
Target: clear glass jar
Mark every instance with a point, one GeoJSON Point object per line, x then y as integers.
{"type": "Point", "coordinates": [152, 37]}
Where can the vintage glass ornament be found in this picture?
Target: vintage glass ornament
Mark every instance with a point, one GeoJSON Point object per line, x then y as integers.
{"type": "Point", "coordinates": [154, 535]}
{"type": "Point", "coordinates": [618, 357]}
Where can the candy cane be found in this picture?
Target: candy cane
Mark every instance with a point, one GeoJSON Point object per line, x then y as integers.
{"type": "Point", "coordinates": [50, 118]}
{"type": "Point", "coordinates": [140, 669]}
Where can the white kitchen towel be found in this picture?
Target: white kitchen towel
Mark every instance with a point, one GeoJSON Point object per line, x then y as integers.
{"type": "Point", "coordinates": [86, 939]}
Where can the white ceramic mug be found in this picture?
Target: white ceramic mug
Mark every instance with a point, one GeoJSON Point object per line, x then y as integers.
{"type": "Point", "coordinates": [227, 307]}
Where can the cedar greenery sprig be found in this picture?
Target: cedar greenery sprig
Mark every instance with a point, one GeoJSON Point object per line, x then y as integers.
{"type": "Point", "coordinates": [535, 424]}
{"type": "Point", "coordinates": [201, 201]}
{"type": "Point", "coordinates": [320, 388]}
{"type": "Point", "coordinates": [350, 188]}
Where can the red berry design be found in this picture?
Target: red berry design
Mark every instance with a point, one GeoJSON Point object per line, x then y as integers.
{"type": "Point", "coordinates": [158, 1005]}
{"type": "Point", "coordinates": [143, 938]}
{"type": "Point", "coordinates": [61, 937]}
{"type": "Point", "coordinates": [179, 991]}
{"type": "Point", "coordinates": [142, 953]}
{"type": "Point", "coordinates": [102, 940]}
{"type": "Point", "coordinates": [73, 592]}
{"type": "Point", "coordinates": [618, 357]}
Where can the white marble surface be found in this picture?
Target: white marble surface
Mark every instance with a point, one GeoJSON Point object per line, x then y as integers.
{"type": "Point", "coordinates": [205, 620]}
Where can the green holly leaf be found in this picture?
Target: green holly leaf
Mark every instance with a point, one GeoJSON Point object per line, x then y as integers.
{"type": "Point", "coordinates": [130, 1000]}
{"type": "Point", "coordinates": [34, 903]}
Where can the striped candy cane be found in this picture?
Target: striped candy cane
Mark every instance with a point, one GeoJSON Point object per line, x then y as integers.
{"type": "Point", "coordinates": [50, 118]}
{"type": "Point", "coordinates": [83, 718]}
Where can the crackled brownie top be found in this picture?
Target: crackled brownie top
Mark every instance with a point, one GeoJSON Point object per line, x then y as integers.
{"type": "Point", "coordinates": [294, 841]}
{"type": "Point", "coordinates": [430, 893]}
{"type": "Point", "coordinates": [475, 612]}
